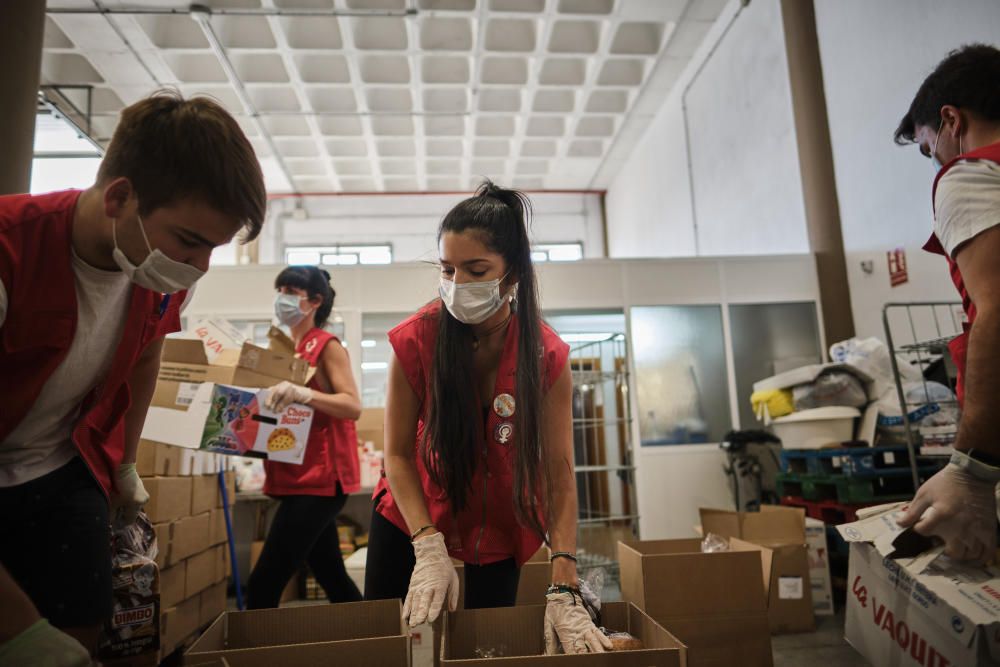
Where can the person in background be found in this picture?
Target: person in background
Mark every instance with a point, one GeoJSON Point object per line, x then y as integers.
{"type": "Point", "coordinates": [312, 494]}
{"type": "Point", "coordinates": [478, 432]}
{"type": "Point", "coordinates": [955, 119]}
{"type": "Point", "coordinates": [90, 282]}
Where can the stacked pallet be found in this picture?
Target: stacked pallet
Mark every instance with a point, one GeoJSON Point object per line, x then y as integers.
{"type": "Point", "coordinates": [185, 507]}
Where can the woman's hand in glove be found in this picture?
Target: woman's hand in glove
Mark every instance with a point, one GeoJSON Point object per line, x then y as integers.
{"type": "Point", "coordinates": [284, 394]}
{"type": "Point", "coordinates": [433, 581]}
{"type": "Point", "coordinates": [569, 627]}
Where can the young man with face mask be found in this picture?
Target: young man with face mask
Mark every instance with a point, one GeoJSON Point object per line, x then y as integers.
{"type": "Point", "coordinates": [955, 119]}
{"type": "Point", "coordinates": [90, 282]}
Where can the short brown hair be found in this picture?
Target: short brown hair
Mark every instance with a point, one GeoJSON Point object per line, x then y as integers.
{"type": "Point", "coordinates": [172, 148]}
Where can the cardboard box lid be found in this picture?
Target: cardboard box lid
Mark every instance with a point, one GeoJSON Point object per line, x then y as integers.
{"type": "Point", "coordinates": [304, 625]}
{"type": "Point", "coordinates": [516, 631]}
{"type": "Point", "coordinates": [674, 578]}
{"type": "Point", "coordinates": [772, 525]}
{"type": "Point", "coordinates": [249, 356]}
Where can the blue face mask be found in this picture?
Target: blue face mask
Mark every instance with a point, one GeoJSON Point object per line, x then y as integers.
{"type": "Point", "coordinates": [288, 310]}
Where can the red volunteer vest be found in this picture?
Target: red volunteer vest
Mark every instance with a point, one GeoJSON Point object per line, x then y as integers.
{"type": "Point", "coordinates": [332, 451]}
{"type": "Point", "coordinates": [37, 272]}
{"type": "Point", "coordinates": [959, 347]}
{"type": "Point", "coordinates": [487, 530]}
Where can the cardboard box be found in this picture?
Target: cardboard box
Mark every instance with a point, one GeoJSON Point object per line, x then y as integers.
{"type": "Point", "coordinates": [715, 603]}
{"type": "Point", "coordinates": [178, 624]}
{"type": "Point", "coordinates": [291, 591]}
{"type": "Point", "coordinates": [514, 632]}
{"type": "Point", "coordinates": [371, 427]}
{"type": "Point", "coordinates": [231, 420]}
{"type": "Point", "coordinates": [154, 459]}
{"type": "Point", "coordinates": [169, 498]}
{"type": "Point", "coordinates": [783, 531]}
{"type": "Point", "coordinates": [172, 582]}
{"type": "Point", "coordinates": [205, 569]}
{"type": "Point", "coordinates": [359, 633]}
{"type": "Point", "coordinates": [189, 536]}
{"type": "Point", "coordinates": [921, 610]}
{"type": "Point", "coordinates": [184, 365]}
{"type": "Point", "coordinates": [212, 603]}
{"type": "Point", "coordinates": [162, 531]}
{"type": "Point", "coordinates": [217, 527]}
{"type": "Point", "coordinates": [205, 494]}
{"type": "Point", "coordinates": [819, 568]}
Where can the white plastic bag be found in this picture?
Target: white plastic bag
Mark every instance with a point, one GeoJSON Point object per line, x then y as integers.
{"type": "Point", "coordinates": [832, 389]}
{"type": "Point", "coordinates": [871, 356]}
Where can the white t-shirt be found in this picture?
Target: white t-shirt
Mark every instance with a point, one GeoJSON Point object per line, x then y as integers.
{"type": "Point", "coordinates": [41, 442]}
{"type": "Point", "coordinates": [967, 202]}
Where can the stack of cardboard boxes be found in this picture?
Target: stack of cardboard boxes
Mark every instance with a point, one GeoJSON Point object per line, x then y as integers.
{"type": "Point", "coordinates": [185, 506]}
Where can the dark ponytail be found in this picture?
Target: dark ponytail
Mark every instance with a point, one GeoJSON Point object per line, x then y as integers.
{"type": "Point", "coordinates": [501, 219]}
{"type": "Point", "coordinates": [315, 282]}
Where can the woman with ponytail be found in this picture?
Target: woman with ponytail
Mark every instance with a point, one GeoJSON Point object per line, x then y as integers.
{"type": "Point", "coordinates": [304, 529]}
{"type": "Point", "coordinates": [478, 433]}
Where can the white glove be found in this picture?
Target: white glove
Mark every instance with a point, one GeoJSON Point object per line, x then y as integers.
{"type": "Point", "coordinates": [130, 494]}
{"type": "Point", "coordinates": [433, 581]}
{"type": "Point", "coordinates": [960, 509]}
{"type": "Point", "coordinates": [284, 394]}
{"type": "Point", "coordinates": [569, 628]}
{"type": "Point", "coordinates": [44, 646]}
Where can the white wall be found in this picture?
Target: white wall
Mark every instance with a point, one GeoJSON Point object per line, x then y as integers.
{"type": "Point", "coordinates": [409, 223]}
{"type": "Point", "coordinates": [740, 144]}
{"type": "Point", "coordinates": [875, 55]}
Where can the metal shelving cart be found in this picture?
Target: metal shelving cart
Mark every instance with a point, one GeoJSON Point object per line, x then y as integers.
{"type": "Point", "coordinates": [918, 334]}
{"type": "Point", "coordinates": [604, 456]}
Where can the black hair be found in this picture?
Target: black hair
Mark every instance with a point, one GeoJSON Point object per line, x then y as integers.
{"type": "Point", "coordinates": [968, 78]}
{"type": "Point", "coordinates": [501, 219]}
{"type": "Point", "coordinates": [315, 282]}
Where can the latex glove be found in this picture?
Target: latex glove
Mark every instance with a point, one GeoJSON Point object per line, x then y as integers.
{"type": "Point", "coordinates": [130, 494]}
{"type": "Point", "coordinates": [960, 509]}
{"type": "Point", "coordinates": [44, 646]}
{"type": "Point", "coordinates": [433, 581]}
{"type": "Point", "coordinates": [569, 628]}
{"type": "Point", "coordinates": [285, 393]}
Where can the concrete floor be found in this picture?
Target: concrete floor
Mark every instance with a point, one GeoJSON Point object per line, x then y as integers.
{"type": "Point", "coordinates": [824, 648]}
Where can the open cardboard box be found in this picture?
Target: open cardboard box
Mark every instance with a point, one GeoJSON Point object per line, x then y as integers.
{"type": "Point", "coordinates": [358, 633]}
{"type": "Point", "coordinates": [518, 633]}
{"type": "Point", "coordinates": [534, 579]}
{"type": "Point", "coordinates": [783, 531]}
{"type": "Point", "coordinates": [184, 365]}
{"type": "Point", "coordinates": [715, 603]}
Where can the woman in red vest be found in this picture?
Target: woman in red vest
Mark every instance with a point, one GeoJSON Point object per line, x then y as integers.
{"type": "Point", "coordinates": [479, 441]}
{"type": "Point", "coordinates": [313, 493]}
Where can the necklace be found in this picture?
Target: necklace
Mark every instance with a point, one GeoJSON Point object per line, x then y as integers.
{"type": "Point", "coordinates": [476, 339]}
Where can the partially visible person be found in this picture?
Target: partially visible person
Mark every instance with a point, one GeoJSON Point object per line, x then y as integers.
{"type": "Point", "coordinates": [312, 494]}
{"type": "Point", "coordinates": [955, 119]}
{"type": "Point", "coordinates": [90, 283]}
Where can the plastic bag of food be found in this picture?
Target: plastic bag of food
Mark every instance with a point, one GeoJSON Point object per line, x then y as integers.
{"type": "Point", "coordinates": [713, 544]}
{"type": "Point", "coordinates": [832, 389]}
{"type": "Point", "coordinates": [871, 356]}
{"type": "Point", "coordinates": [134, 626]}
{"type": "Point", "coordinates": [929, 404]}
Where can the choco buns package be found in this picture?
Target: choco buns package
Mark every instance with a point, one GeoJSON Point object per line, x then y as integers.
{"type": "Point", "coordinates": [134, 626]}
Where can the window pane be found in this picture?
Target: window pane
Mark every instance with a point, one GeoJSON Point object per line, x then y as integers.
{"type": "Point", "coordinates": [566, 253]}
{"type": "Point", "coordinates": [770, 338]}
{"type": "Point", "coordinates": [376, 255]}
{"type": "Point", "coordinates": [681, 378]}
{"type": "Point", "coordinates": [49, 174]}
{"type": "Point", "coordinates": [539, 256]}
{"type": "Point", "coordinates": [300, 257]}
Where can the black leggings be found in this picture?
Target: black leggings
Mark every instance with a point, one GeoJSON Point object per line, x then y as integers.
{"type": "Point", "coordinates": [304, 530]}
{"type": "Point", "coordinates": [391, 561]}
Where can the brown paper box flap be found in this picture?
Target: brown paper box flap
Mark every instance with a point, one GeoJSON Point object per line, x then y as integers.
{"type": "Point", "coordinates": [774, 525]}
{"type": "Point", "coordinates": [279, 341]}
{"type": "Point", "coordinates": [184, 351]}
{"type": "Point", "coordinates": [516, 631]}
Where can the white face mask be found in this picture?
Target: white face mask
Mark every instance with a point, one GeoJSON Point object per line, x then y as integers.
{"type": "Point", "coordinates": [288, 309]}
{"type": "Point", "coordinates": [157, 272]}
{"type": "Point", "coordinates": [472, 303]}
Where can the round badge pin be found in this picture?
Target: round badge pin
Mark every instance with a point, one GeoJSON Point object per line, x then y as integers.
{"type": "Point", "coordinates": [504, 406]}
{"type": "Point", "coordinates": [503, 433]}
